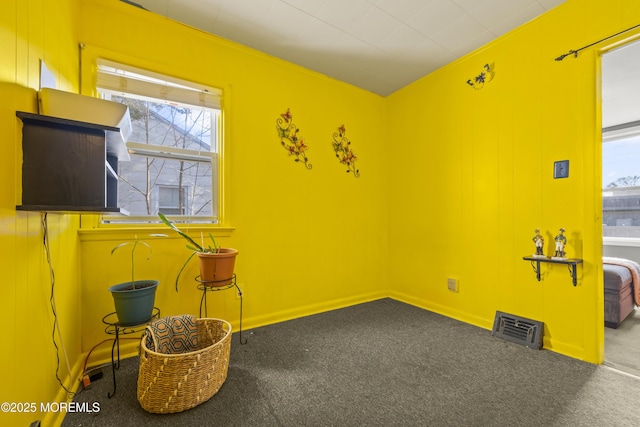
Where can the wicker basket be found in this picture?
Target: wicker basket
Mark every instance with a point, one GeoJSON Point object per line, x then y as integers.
{"type": "Point", "coordinates": [183, 362]}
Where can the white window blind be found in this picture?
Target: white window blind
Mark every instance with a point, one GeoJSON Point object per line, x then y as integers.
{"type": "Point", "coordinates": [120, 79]}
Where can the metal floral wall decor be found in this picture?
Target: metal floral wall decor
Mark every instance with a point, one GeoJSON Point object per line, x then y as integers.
{"type": "Point", "coordinates": [485, 76]}
{"type": "Point", "coordinates": [290, 140]}
{"type": "Point", "coordinates": [342, 147]}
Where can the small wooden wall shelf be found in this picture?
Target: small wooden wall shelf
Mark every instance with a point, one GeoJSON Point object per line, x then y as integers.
{"type": "Point", "coordinates": [69, 166]}
{"type": "Point", "coordinates": [571, 263]}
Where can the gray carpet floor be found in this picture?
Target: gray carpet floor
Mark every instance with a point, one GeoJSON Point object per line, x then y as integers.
{"type": "Point", "coordinates": [385, 363]}
{"type": "Point", "coordinates": [622, 345]}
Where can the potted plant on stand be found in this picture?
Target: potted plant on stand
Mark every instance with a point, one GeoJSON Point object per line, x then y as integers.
{"type": "Point", "coordinates": [134, 300]}
{"type": "Point", "coordinates": [216, 264]}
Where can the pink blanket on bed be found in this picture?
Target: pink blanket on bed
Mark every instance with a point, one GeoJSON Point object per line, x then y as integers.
{"type": "Point", "coordinates": [634, 268]}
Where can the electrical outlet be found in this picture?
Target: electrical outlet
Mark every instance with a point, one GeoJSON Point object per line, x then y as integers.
{"type": "Point", "coordinates": [452, 284]}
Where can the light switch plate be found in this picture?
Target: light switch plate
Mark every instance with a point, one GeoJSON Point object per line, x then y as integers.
{"type": "Point", "coordinates": [561, 169]}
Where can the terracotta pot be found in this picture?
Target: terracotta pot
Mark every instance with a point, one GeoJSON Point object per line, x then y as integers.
{"type": "Point", "coordinates": [216, 269]}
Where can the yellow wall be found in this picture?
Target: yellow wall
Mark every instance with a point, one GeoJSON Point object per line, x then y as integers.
{"type": "Point", "coordinates": [30, 31]}
{"type": "Point", "coordinates": [469, 193]}
{"type": "Point", "coordinates": [309, 240]}
{"type": "Point", "coordinates": [453, 183]}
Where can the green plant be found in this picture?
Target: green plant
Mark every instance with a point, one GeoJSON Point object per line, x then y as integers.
{"type": "Point", "coordinates": [191, 245]}
{"type": "Point", "coordinates": [133, 251]}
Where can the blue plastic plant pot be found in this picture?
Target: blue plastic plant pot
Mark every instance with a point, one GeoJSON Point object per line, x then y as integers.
{"type": "Point", "coordinates": [134, 306]}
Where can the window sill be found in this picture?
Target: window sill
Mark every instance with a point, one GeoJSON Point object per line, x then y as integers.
{"type": "Point", "coordinates": [621, 241]}
{"type": "Point", "coordinates": [151, 232]}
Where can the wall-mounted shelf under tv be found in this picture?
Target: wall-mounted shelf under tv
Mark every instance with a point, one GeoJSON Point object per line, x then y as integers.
{"type": "Point", "coordinates": [69, 165]}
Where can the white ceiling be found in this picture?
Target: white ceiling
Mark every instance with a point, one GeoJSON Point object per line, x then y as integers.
{"type": "Point", "coordinates": [378, 45]}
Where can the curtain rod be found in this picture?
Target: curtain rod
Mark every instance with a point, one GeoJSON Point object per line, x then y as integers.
{"type": "Point", "coordinates": [575, 52]}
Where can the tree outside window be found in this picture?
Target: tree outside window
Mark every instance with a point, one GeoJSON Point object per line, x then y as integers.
{"type": "Point", "coordinates": [174, 160]}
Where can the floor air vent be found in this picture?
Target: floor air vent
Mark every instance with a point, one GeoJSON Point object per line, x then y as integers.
{"type": "Point", "coordinates": [518, 330]}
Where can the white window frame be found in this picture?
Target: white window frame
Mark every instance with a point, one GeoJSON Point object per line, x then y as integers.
{"type": "Point", "coordinates": [176, 92]}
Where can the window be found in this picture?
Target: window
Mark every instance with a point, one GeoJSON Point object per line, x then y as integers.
{"type": "Point", "coordinates": [621, 187]}
{"type": "Point", "coordinates": [174, 146]}
{"type": "Point", "coordinates": [172, 200]}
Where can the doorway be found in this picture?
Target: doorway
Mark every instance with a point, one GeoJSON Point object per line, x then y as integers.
{"type": "Point", "coordinates": [621, 190]}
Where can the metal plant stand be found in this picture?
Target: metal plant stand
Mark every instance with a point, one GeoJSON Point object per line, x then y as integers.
{"type": "Point", "coordinates": [209, 286]}
{"type": "Point", "coordinates": [115, 328]}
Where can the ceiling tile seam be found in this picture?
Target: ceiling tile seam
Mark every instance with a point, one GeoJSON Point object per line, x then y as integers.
{"type": "Point", "coordinates": [375, 4]}
{"type": "Point", "coordinates": [457, 3]}
{"type": "Point", "coordinates": [373, 46]}
{"type": "Point", "coordinates": [490, 30]}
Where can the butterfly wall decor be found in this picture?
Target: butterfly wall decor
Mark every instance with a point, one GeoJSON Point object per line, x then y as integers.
{"type": "Point", "coordinates": [487, 74]}
{"type": "Point", "coordinates": [342, 148]}
{"type": "Point", "coordinates": [290, 140]}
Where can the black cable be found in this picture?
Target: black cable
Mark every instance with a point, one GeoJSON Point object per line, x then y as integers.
{"type": "Point", "coordinates": [45, 232]}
